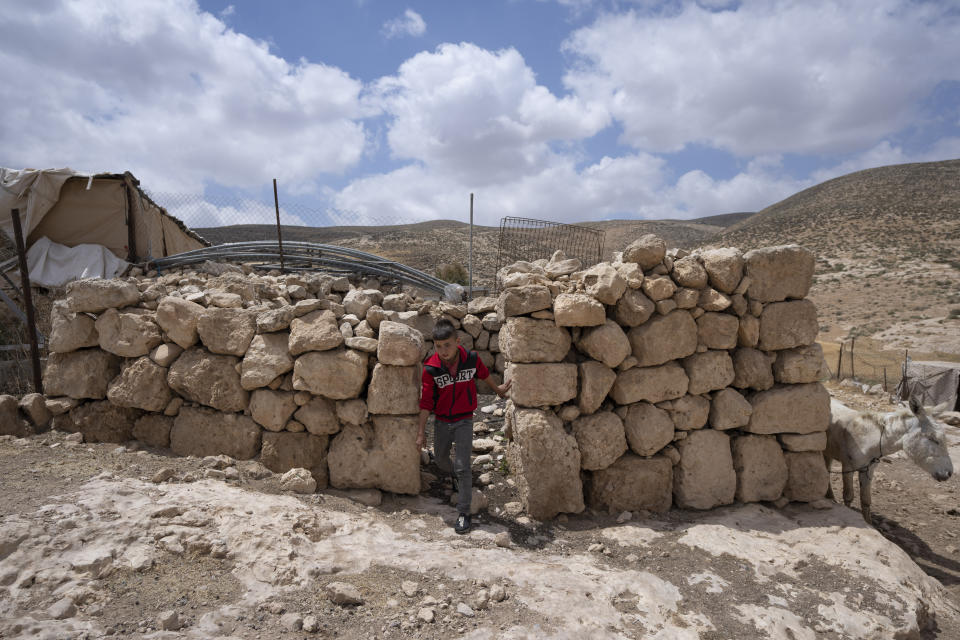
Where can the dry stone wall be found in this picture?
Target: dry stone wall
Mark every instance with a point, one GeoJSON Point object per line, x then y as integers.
{"type": "Point", "coordinates": [660, 379]}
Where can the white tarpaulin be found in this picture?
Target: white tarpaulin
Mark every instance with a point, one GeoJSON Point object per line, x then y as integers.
{"type": "Point", "coordinates": [52, 265]}
{"type": "Point", "coordinates": [31, 191]}
{"type": "Point", "coordinates": [934, 383]}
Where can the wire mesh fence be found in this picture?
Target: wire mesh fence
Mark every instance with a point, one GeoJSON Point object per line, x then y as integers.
{"type": "Point", "coordinates": [529, 239]}
{"type": "Point", "coordinates": [863, 361]}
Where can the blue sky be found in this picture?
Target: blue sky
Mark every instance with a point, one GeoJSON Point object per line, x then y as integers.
{"type": "Point", "coordinates": [572, 110]}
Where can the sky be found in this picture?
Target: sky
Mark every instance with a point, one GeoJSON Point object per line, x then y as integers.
{"type": "Point", "coordinates": [384, 112]}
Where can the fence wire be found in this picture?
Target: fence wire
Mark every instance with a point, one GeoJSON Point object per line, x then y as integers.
{"type": "Point", "coordinates": [529, 239]}
{"type": "Point", "coordinates": [862, 361]}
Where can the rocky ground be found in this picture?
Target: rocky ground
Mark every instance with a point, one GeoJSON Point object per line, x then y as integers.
{"type": "Point", "coordinates": [94, 542]}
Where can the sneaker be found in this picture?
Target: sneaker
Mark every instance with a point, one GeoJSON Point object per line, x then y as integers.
{"type": "Point", "coordinates": [463, 523]}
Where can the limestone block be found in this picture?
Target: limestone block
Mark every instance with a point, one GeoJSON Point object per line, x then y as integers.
{"type": "Point", "coordinates": [530, 340]}
{"type": "Point", "coordinates": [380, 454]}
{"type": "Point", "coordinates": [227, 331]}
{"type": "Point", "coordinates": [275, 319]}
{"type": "Point", "coordinates": [11, 423]}
{"type": "Point", "coordinates": [394, 390]}
{"type": "Point", "coordinates": [491, 323]}
{"type": "Point", "coordinates": [816, 441]}
{"type": "Point", "coordinates": [724, 268]}
{"type": "Point", "coordinates": [316, 331]}
{"type": "Point", "coordinates": [153, 430]}
{"type": "Point", "coordinates": [718, 330]}
{"type": "Point", "coordinates": [631, 273]}
{"type": "Point", "coordinates": [604, 283]}
{"type": "Point", "coordinates": [209, 379]}
{"type": "Point", "coordinates": [545, 462]}
{"type": "Point", "coordinates": [729, 410]}
{"type": "Point", "coordinates": [352, 411]}
{"type": "Point", "coordinates": [538, 385]}
{"type": "Point", "coordinates": [749, 332]}
{"type": "Point", "coordinates": [600, 438]}
{"type": "Point", "coordinates": [482, 341]}
{"type": "Point", "coordinates": [807, 476]}
{"type": "Point", "coordinates": [338, 374]}
{"type": "Point", "coordinates": [704, 477]}
{"type": "Point", "coordinates": [686, 298]}
{"type": "Point", "coordinates": [266, 358]}
{"type": "Point", "coordinates": [472, 325]}
{"type": "Point", "coordinates": [606, 343]}
{"type": "Point", "coordinates": [178, 318]}
{"type": "Point", "coordinates": [93, 295]}
{"type": "Point", "coordinates": [80, 374]}
{"type": "Point", "coordinates": [319, 416]}
{"type": "Point", "coordinates": [127, 334]}
{"type": "Point", "coordinates": [647, 251]}
{"type": "Point", "coordinates": [688, 272]}
{"type": "Point", "coordinates": [272, 409]}
{"type": "Point", "coordinates": [784, 325]}
{"type": "Point", "coordinates": [596, 379]}
{"type": "Point", "coordinates": [658, 288]}
{"type": "Point", "coordinates": [778, 273]}
{"type": "Point", "coordinates": [560, 265]}
{"type": "Point", "coordinates": [465, 340]}
{"type": "Point", "coordinates": [202, 432]}
{"type": "Point", "coordinates": [760, 466]}
{"type": "Point", "coordinates": [399, 344]}
{"type": "Point", "coordinates": [141, 385]}
{"type": "Point", "coordinates": [688, 412]}
{"type": "Point", "coordinates": [395, 302]}
{"type": "Point", "coordinates": [284, 451]}
{"type": "Point", "coordinates": [34, 407]}
{"type": "Point", "coordinates": [796, 408]}
{"type": "Point", "coordinates": [517, 301]}
{"type": "Point", "coordinates": [652, 384]}
{"type": "Point", "coordinates": [633, 308]}
{"type": "Point", "coordinates": [664, 338]}
{"type": "Point", "coordinates": [102, 421]}
{"type": "Point", "coordinates": [648, 428]}
{"type": "Point", "coordinates": [166, 353]}
{"type": "Point", "coordinates": [708, 371]}
{"type": "Point", "coordinates": [753, 369]}
{"type": "Point", "coordinates": [712, 300]}
{"type": "Point", "coordinates": [633, 483]}
{"type": "Point", "coordinates": [70, 331]}
{"type": "Point", "coordinates": [482, 305]}
{"type": "Point", "coordinates": [358, 301]}
{"type": "Point", "coordinates": [799, 365]}
{"type": "Point", "coordinates": [578, 310]}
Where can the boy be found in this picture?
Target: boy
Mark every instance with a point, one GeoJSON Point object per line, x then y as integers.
{"type": "Point", "coordinates": [450, 393]}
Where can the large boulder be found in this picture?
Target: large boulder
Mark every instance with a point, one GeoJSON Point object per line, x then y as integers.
{"type": "Point", "coordinates": [338, 374]}
{"type": "Point", "coordinates": [319, 416]}
{"type": "Point", "coordinates": [93, 295]}
{"type": "Point", "coordinates": [647, 251]}
{"type": "Point", "coordinates": [724, 268]}
{"type": "Point", "coordinates": [130, 335]}
{"type": "Point", "coordinates": [531, 340]}
{"type": "Point", "coordinates": [399, 344]}
{"type": "Point", "coordinates": [201, 432]}
{"type": "Point", "coordinates": [227, 331]}
{"type": "Point", "coordinates": [153, 430]}
{"type": "Point", "coordinates": [209, 379]}
{"type": "Point", "coordinates": [796, 408]}
{"type": "Point", "coordinates": [816, 441]}
{"type": "Point", "coordinates": [11, 423]}
{"type": "Point", "coordinates": [604, 283]}
{"type": "Point", "coordinates": [718, 330]}
{"type": "Point", "coordinates": [80, 374]}
{"type": "Point", "coordinates": [315, 331]}
{"type": "Point", "coordinates": [688, 272]}
{"type": "Point", "coordinates": [34, 406]}
{"type": "Point", "coordinates": [658, 287]}
{"type": "Point", "coordinates": [538, 385]}
{"type": "Point", "coordinates": [748, 333]}
{"type": "Point", "coordinates": [482, 305]}
{"type": "Point", "coordinates": [577, 310]}
{"type": "Point", "coordinates": [688, 413]}
{"type": "Point", "coordinates": [807, 476]}
{"type": "Point", "coordinates": [648, 428]}
{"type": "Point", "coordinates": [664, 338]}
{"type": "Point", "coordinates": [518, 301]}
{"type": "Point", "coordinates": [704, 478]}
{"type": "Point", "coordinates": [283, 451]}
{"type": "Point", "coordinates": [784, 325]}
{"type": "Point", "coordinates": [381, 454]}
{"type": "Point", "coordinates": [633, 308]}
{"type": "Point", "coordinates": [266, 358]}
{"type": "Point", "coordinates": [102, 421]}
{"type": "Point", "coordinates": [596, 379]}
{"type": "Point", "coordinates": [708, 371]}
{"type": "Point", "coordinates": [141, 385]}
{"type": "Point", "coordinates": [606, 343]}
{"type": "Point", "coordinates": [394, 390]}
{"type": "Point", "coordinates": [70, 331]}
{"type": "Point", "coordinates": [275, 319]}
{"type": "Point", "coordinates": [778, 273]}
{"type": "Point", "coordinates": [633, 483]}
{"type": "Point", "coordinates": [600, 439]}
{"type": "Point", "coordinates": [545, 461]}
{"type": "Point", "coordinates": [799, 365]}
{"type": "Point", "coordinates": [752, 369]}
{"type": "Point", "coordinates": [272, 409]}
{"type": "Point", "coordinates": [178, 318]}
{"type": "Point", "coordinates": [729, 410]}
{"type": "Point", "coordinates": [760, 466]}
{"type": "Point", "coordinates": [652, 384]}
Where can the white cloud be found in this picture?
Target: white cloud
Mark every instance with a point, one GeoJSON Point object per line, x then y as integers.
{"type": "Point", "coordinates": [884, 153]}
{"type": "Point", "coordinates": [229, 10]}
{"type": "Point", "coordinates": [783, 76]}
{"type": "Point", "coordinates": [409, 24]}
{"type": "Point", "coordinates": [170, 93]}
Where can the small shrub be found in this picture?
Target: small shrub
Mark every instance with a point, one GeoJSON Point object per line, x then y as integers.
{"type": "Point", "coordinates": [954, 313]}
{"type": "Point", "coordinates": [453, 272]}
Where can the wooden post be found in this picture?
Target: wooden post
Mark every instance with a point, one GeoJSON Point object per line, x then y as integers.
{"type": "Point", "coordinates": [840, 361]}
{"type": "Point", "coordinates": [853, 373]}
{"type": "Point", "coordinates": [276, 204]}
{"type": "Point", "coordinates": [27, 300]}
{"type": "Point", "coordinates": [470, 289]}
{"type": "Point", "coordinates": [884, 379]}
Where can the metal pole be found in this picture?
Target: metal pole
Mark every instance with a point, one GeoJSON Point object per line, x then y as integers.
{"type": "Point", "coordinates": [470, 289]}
{"type": "Point", "coordinates": [27, 300]}
{"type": "Point", "coordinates": [839, 361]}
{"type": "Point", "coordinates": [853, 373]}
{"type": "Point", "coordinates": [276, 204]}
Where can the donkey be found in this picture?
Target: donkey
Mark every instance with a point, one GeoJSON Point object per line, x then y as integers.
{"type": "Point", "coordinates": [860, 439]}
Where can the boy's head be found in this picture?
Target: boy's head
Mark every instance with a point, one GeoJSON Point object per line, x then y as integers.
{"type": "Point", "coordinates": [445, 339]}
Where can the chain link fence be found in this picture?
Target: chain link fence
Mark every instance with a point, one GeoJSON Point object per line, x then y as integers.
{"type": "Point", "coordinates": [529, 239]}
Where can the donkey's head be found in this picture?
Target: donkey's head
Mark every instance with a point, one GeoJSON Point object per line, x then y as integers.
{"type": "Point", "coordinates": [926, 444]}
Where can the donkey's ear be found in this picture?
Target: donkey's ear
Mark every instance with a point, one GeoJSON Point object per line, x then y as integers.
{"type": "Point", "coordinates": [916, 406]}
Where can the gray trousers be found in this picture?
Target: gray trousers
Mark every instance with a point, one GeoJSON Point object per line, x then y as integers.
{"type": "Point", "coordinates": [458, 433]}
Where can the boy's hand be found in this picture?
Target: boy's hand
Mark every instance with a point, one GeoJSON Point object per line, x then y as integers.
{"type": "Point", "coordinates": [502, 389]}
{"type": "Point", "coordinates": [421, 440]}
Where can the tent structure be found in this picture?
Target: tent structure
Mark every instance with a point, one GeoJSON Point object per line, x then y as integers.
{"type": "Point", "coordinates": [934, 383]}
{"type": "Point", "coordinates": [104, 209]}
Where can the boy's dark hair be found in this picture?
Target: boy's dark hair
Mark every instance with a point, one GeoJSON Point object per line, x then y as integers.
{"type": "Point", "coordinates": [443, 329]}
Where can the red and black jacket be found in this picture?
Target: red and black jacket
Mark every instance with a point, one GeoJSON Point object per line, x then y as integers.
{"type": "Point", "coordinates": [452, 397]}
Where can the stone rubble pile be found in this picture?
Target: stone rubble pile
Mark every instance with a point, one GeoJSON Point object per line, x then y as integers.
{"type": "Point", "coordinates": [660, 379]}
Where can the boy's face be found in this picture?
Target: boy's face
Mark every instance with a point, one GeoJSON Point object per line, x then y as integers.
{"type": "Point", "coordinates": [446, 348]}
